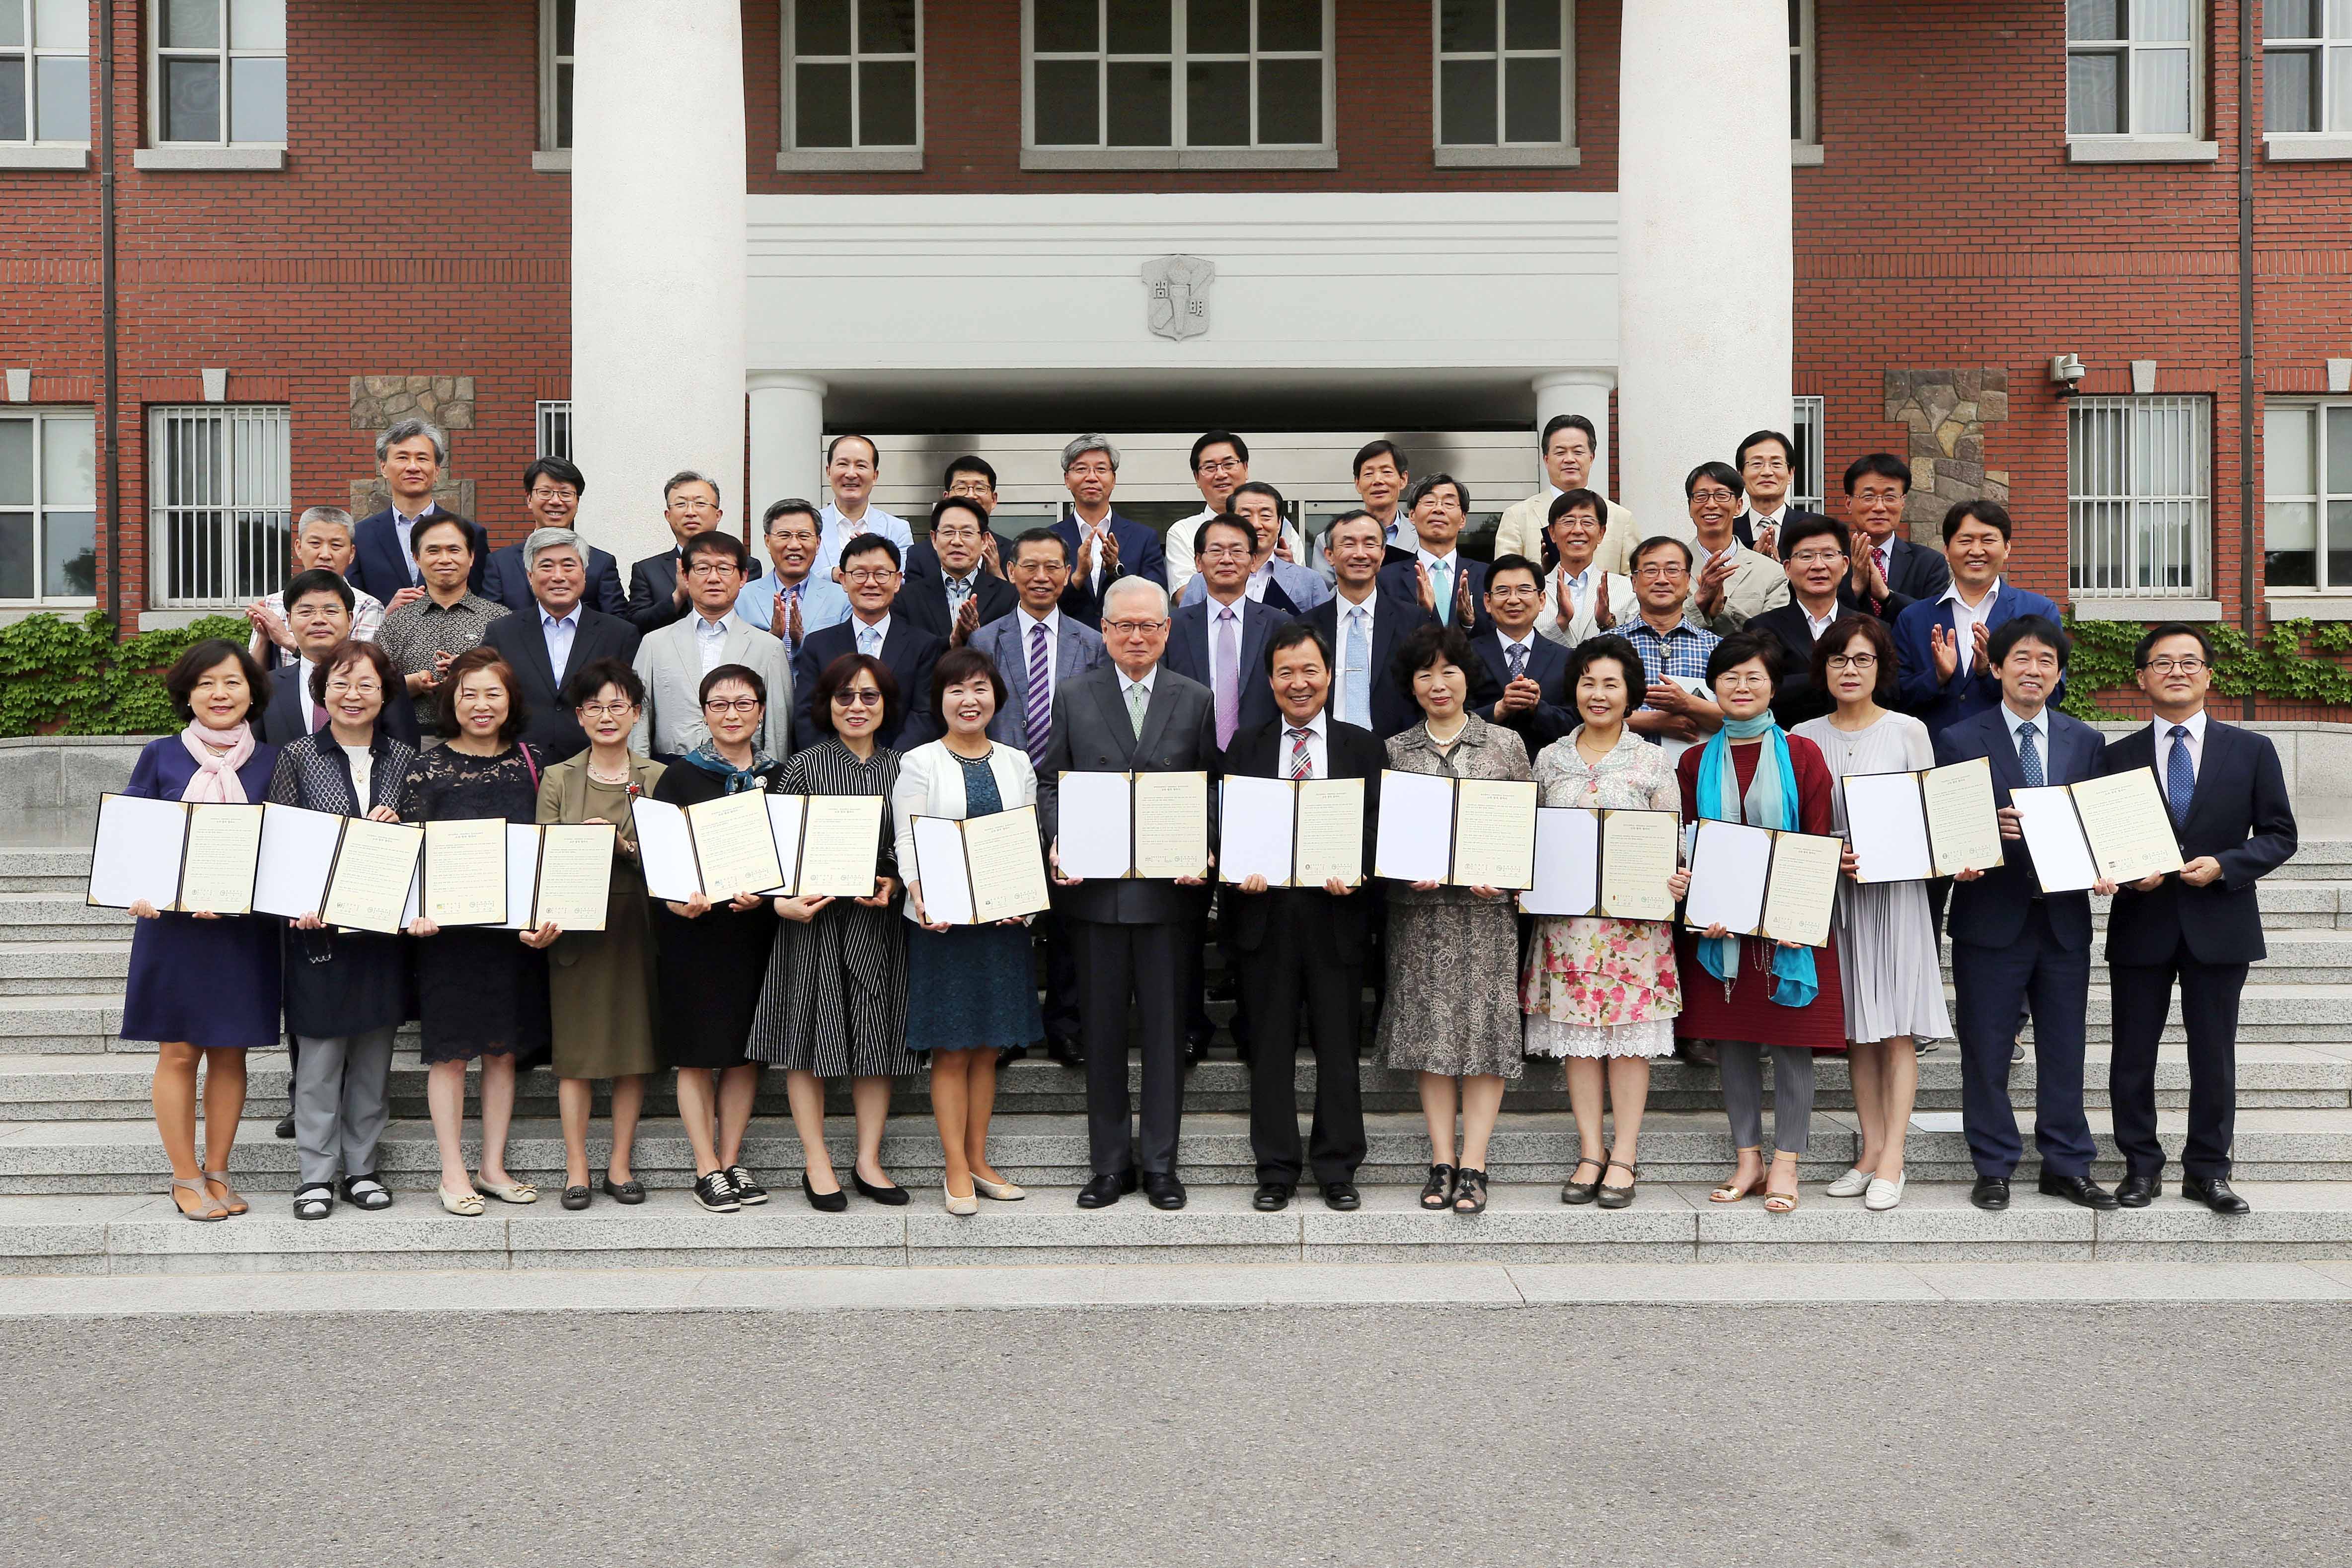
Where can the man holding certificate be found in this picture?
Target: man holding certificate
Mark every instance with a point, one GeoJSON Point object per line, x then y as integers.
{"type": "Point", "coordinates": [2226, 796]}
{"type": "Point", "coordinates": [1306, 940]}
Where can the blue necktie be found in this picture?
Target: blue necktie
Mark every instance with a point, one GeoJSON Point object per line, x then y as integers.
{"type": "Point", "coordinates": [2028, 757]}
{"type": "Point", "coordinates": [1357, 667]}
{"type": "Point", "coordinates": [2179, 776]}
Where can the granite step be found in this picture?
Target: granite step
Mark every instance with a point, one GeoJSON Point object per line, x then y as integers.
{"type": "Point", "coordinates": [78, 967]}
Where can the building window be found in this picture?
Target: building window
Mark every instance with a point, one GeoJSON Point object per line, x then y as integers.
{"type": "Point", "coordinates": [556, 20]}
{"type": "Point", "coordinates": [555, 430]}
{"type": "Point", "coordinates": [2307, 66]}
{"type": "Point", "coordinates": [2139, 496]}
{"type": "Point", "coordinates": [44, 70]}
{"type": "Point", "coordinates": [1104, 73]}
{"type": "Point", "coordinates": [2307, 494]}
{"type": "Point", "coordinates": [1504, 73]}
{"type": "Point", "coordinates": [1804, 123]}
{"type": "Point", "coordinates": [219, 72]}
{"type": "Point", "coordinates": [2130, 68]}
{"type": "Point", "coordinates": [220, 476]}
{"type": "Point", "coordinates": [49, 507]}
{"type": "Point", "coordinates": [853, 74]}
{"type": "Point", "coordinates": [1806, 484]}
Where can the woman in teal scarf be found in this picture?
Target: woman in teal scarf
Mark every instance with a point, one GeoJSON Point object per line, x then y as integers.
{"type": "Point", "coordinates": [1746, 993]}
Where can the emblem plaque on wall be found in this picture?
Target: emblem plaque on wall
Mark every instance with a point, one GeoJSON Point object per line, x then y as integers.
{"type": "Point", "coordinates": [1176, 295]}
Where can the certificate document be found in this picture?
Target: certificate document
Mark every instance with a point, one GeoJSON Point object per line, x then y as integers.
{"type": "Point", "coordinates": [1255, 830]}
{"type": "Point", "coordinates": [368, 888]}
{"type": "Point", "coordinates": [1962, 823]}
{"type": "Point", "coordinates": [2124, 818]}
{"type": "Point", "coordinates": [1494, 833]}
{"type": "Point", "coordinates": [216, 874]}
{"type": "Point", "coordinates": [840, 846]}
{"type": "Point", "coordinates": [137, 852]}
{"type": "Point", "coordinates": [1415, 835]}
{"type": "Point", "coordinates": [1639, 851]}
{"type": "Point", "coordinates": [1006, 866]}
{"type": "Point", "coordinates": [938, 869]}
{"type": "Point", "coordinates": [297, 846]}
{"type": "Point", "coordinates": [465, 871]}
{"type": "Point", "coordinates": [786, 816]}
{"type": "Point", "coordinates": [1804, 888]}
{"type": "Point", "coordinates": [1728, 871]}
{"type": "Point", "coordinates": [2053, 837]}
{"type": "Point", "coordinates": [732, 846]}
{"type": "Point", "coordinates": [665, 850]}
{"type": "Point", "coordinates": [1171, 824]}
{"type": "Point", "coordinates": [1095, 839]}
{"type": "Point", "coordinates": [523, 878]}
{"type": "Point", "coordinates": [1886, 822]}
{"type": "Point", "coordinates": [1328, 839]}
{"type": "Point", "coordinates": [575, 874]}
{"type": "Point", "coordinates": [1568, 863]}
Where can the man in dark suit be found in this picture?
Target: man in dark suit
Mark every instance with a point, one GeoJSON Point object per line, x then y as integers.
{"type": "Point", "coordinates": [1440, 578]}
{"type": "Point", "coordinates": [1817, 554]}
{"type": "Point", "coordinates": [656, 595]}
{"type": "Point", "coordinates": [1941, 643]}
{"type": "Point", "coordinates": [1104, 546]}
{"type": "Point", "coordinates": [2201, 926]}
{"type": "Point", "coordinates": [1767, 462]}
{"type": "Point", "coordinates": [1363, 624]}
{"type": "Point", "coordinates": [1310, 942]}
{"type": "Point", "coordinates": [1133, 714]}
{"type": "Point", "coordinates": [383, 559]}
{"type": "Point", "coordinates": [1221, 640]}
{"type": "Point", "coordinates": [2015, 947]}
{"type": "Point", "coordinates": [552, 490]}
{"type": "Point", "coordinates": [1521, 681]}
{"type": "Point", "coordinates": [557, 635]}
{"type": "Point", "coordinates": [957, 594]}
{"type": "Point", "coordinates": [1877, 487]}
{"type": "Point", "coordinates": [869, 573]}
{"type": "Point", "coordinates": [318, 606]}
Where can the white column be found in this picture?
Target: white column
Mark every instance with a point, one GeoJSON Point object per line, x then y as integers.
{"type": "Point", "coordinates": [787, 455]}
{"type": "Point", "coordinates": [1578, 392]}
{"type": "Point", "coordinates": [1704, 272]}
{"type": "Point", "coordinates": [657, 260]}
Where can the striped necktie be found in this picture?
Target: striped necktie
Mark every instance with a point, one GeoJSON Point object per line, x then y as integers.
{"type": "Point", "coordinates": [1039, 705]}
{"type": "Point", "coordinates": [1302, 761]}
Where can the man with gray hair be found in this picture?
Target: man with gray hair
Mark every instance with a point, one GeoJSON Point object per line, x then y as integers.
{"type": "Point", "coordinates": [656, 592]}
{"type": "Point", "coordinates": [556, 636]}
{"type": "Point", "coordinates": [1104, 546]}
{"type": "Point", "coordinates": [322, 542]}
{"type": "Point", "coordinates": [409, 456]}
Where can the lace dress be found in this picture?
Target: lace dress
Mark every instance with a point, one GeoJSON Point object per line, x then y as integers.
{"type": "Point", "coordinates": [480, 991]}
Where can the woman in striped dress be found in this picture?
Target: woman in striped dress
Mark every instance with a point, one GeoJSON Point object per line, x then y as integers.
{"type": "Point", "coordinates": [834, 1005]}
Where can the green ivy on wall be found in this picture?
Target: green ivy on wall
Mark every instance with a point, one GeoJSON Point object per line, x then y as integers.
{"type": "Point", "coordinates": [72, 677]}
{"type": "Point", "coordinates": [2293, 662]}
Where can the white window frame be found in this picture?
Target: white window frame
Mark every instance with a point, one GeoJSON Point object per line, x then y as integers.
{"type": "Point", "coordinates": [2188, 500]}
{"type": "Point", "coordinates": [1324, 154]}
{"type": "Point", "coordinates": [2325, 141]}
{"type": "Point", "coordinates": [40, 418]}
{"type": "Point", "coordinates": [555, 425]}
{"type": "Point", "coordinates": [223, 153]}
{"type": "Point", "coordinates": [247, 519]}
{"type": "Point", "coordinates": [2132, 145]}
{"type": "Point", "coordinates": [2325, 488]}
{"type": "Point", "coordinates": [1807, 425]}
{"type": "Point", "coordinates": [553, 153]}
{"type": "Point", "coordinates": [1804, 88]}
{"type": "Point", "coordinates": [1561, 154]}
{"type": "Point", "coordinates": [34, 150]}
{"type": "Point", "coordinates": [818, 160]}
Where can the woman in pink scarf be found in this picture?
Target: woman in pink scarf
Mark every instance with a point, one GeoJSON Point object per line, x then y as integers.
{"type": "Point", "coordinates": [204, 986]}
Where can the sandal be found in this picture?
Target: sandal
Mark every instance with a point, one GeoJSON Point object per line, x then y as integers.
{"type": "Point", "coordinates": [1735, 1190]}
{"type": "Point", "coordinates": [1575, 1191]}
{"type": "Point", "coordinates": [1781, 1202]}
{"type": "Point", "coordinates": [1618, 1197]}
{"type": "Point", "coordinates": [1438, 1190]}
{"type": "Point", "coordinates": [1469, 1191]}
{"type": "Point", "coordinates": [506, 1192]}
{"type": "Point", "coordinates": [228, 1198]}
{"type": "Point", "coordinates": [315, 1201]}
{"type": "Point", "coordinates": [363, 1191]}
{"type": "Point", "coordinates": [466, 1203]}
{"type": "Point", "coordinates": [213, 1209]}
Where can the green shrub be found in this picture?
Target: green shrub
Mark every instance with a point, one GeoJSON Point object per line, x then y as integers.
{"type": "Point", "coordinates": [71, 677]}
{"type": "Point", "coordinates": [2292, 662]}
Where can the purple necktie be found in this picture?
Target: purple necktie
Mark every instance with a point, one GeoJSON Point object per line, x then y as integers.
{"type": "Point", "coordinates": [1041, 697]}
{"type": "Point", "coordinates": [1228, 672]}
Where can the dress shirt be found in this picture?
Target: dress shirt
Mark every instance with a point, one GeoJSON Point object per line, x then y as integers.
{"type": "Point", "coordinates": [405, 526]}
{"type": "Point", "coordinates": [1097, 532]}
{"type": "Point", "coordinates": [2161, 730]}
{"type": "Point", "coordinates": [880, 630]}
{"type": "Point", "coordinates": [1526, 646]}
{"type": "Point", "coordinates": [559, 630]}
{"type": "Point", "coordinates": [1452, 562]}
{"type": "Point", "coordinates": [1680, 650]}
{"type": "Point", "coordinates": [1052, 622]}
{"type": "Point", "coordinates": [1319, 746]}
{"type": "Point", "coordinates": [834, 530]}
{"type": "Point", "coordinates": [314, 718]}
{"type": "Point", "coordinates": [1259, 582]}
{"type": "Point", "coordinates": [1759, 521]}
{"type": "Point", "coordinates": [1965, 620]}
{"type": "Point", "coordinates": [1125, 685]}
{"type": "Point", "coordinates": [2040, 722]}
{"type": "Point", "coordinates": [710, 639]}
{"type": "Point", "coordinates": [1817, 624]}
{"type": "Point", "coordinates": [413, 633]}
{"type": "Point", "coordinates": [959, 589]}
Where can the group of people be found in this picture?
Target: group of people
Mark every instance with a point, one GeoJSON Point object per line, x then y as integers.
{"type": "Point", "coordinates": [1733, 667]}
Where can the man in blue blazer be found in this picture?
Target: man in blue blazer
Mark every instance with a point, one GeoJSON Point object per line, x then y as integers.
{"type": "Point", "coordinates": [1242, 696]}
{"type": "Point", "coordinates": [1440, 578]}
{"type": "Point", "coordinates": [869, 573]}
{"type": "Point", "coordinates": [552, 490]}
{"type": "Point", "coordinates": [1941, 643]}
{"type": "Point", "coordinates": [1104, 546]}
{"type": "Point", "coordinates": [2014, 944]}
{"type": "Point", "coordinates": [2201, 925]}
{"type": "Point", "coordinates": [1524, 685]}
{"type": "Point", "coordinates": [1364, 692]}
{"type": "Point", "coordinates": [410, 454]}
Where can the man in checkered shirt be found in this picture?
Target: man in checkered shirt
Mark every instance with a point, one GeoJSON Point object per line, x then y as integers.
{"type": "Point", "coordinates": [1670, 643]}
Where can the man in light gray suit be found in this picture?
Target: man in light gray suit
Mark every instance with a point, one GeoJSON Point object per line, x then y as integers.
{"type": "Point", "coordinates": [673, 660]}
{"type": "Point", "coordinates": [1130, 715]}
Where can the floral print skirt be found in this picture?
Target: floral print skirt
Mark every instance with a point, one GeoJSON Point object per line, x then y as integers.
{"type": "Point", "coordinates": [1596, 987]}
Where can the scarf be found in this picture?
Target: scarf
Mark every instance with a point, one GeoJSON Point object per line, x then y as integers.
{"type": "Point", "coordinates": [1770, 802]}
{"type": "Point", "coordinates": [705, 757]}
{"type": "Point", "coordinates": [215, 781]}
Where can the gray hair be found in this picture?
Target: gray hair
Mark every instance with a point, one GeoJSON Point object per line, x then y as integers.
{"type": "Point", "coordinates": [1130, 586]}
{"type": "Point", "coordinates": [333, 516]}
{"type": "Point", "coordinates": [544, 540]}
{"type": "Point", "coordinates": [409, 430]}
{"type": "Point", "coordinates": [688, 477]}
{"type": "Point", "coordinates": [1086, 444]}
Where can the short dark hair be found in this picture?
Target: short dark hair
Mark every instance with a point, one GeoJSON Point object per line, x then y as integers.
{"type": "Point", "coordinates": [968, 464]}
{"type": "Point", "coordinates": [1561, 422]}
{"type": "Point", "coordinates": [839, 674]}
{"type": "Point", "coordinates": [1806, 524]}
{"type": "Point", "coordinates": [440, 520]}
{"type": "Point", "coordinates": [352, 651]}
{"type": "Point", "coordinates": [1610, 646]}
{"type": "Point", "coordinates": [186, 670]}
{"type": "Point", "coordinates": [867, 544]}
{"type": "Point", "coordinates": [1739, 647]}
{"type": "Point", "coordinates": [583, 684]}
{"type": "Point", "coordinates": [1758, 438]}
{"type": "Point", "coordinates": [1653, 542]}
{"type": "Point", "coordinates": [743, 672]}
{"type": "Point", "coordinates": [1389, 449]}
{"type": "Point", "coordinates": [1423, 646]}
{"type": "Point", "coordinates": [1567, 501]}
{"type": "Point", "coordinates": [2040, 628]}
{"type": "Point", "coordinates": [485, 658]}
{"type": "Point", "coordinates": [2170, 629]}
{"type": "Point", "coordinates": [1991, 512]}
{"type": "Point", "coordinates": [1352, 513]}
{"type": "Point", "coordinates": [1512, 562]}
{"type": "Point", "coordinates": [714, 541]}
{"type": "Point", "coordinates": [956, 666]}
{"type": "Point", "coordinates": [1224, 520]}
{"type": "Point", "coordinates": [947, 504]}
{"type": "Point", "coordinates": [791, 505]}
{"type": "Point", "coordinates": [318, 580]}
{"type": "Point", "coordinates": [1290, 634]}
{"type": "Point", "coordinates": [873, 450]}
{"type": "Point", "coordinates": [559, 469]}
{"type": "Point", "coordinates": [1723, 473]}
{"type": "Point", "coordinates": [1215, 438]}
{"type": "Point", "coordinates": [1421, 487]}
{"type": "Point", "coordinates": [1841, 636]}
{"type": "Point", "coordinates": [1885, 464]}
{"type": "Point", "coordinates": [1040, 535]}
{"type": "Point", "coordinates": [1260, 487]}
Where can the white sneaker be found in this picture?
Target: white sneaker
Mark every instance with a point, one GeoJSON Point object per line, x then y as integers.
{"type": "Point", "coordinates": [1853, 1184]}
{"type": "Point", "coordinates": [1884, 1195]}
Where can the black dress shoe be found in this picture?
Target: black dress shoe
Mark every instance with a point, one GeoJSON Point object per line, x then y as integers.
{"type": "Point", "coordinates": [1273, 1196]}
{"type": "Point", "coordinates": [2081, 1190]}
{"type": "Point", "coordinates": [2214, 1195]}
{"type": "Point", "coordinates": [1164, 1190]}
{"type": "Point", "coordinates": [1991, 1194]}
{"type": "Point", "coordinates": [1342, 1196]}
{"type": "Point", "coordinates": [1105, 1190]}
{"type": "Point", "coordinates": [2137, 1191]}
{"type": "Point", "coordinates": [286, 1126]}
{"type": "Point", "coordinates": [1068, 1053]}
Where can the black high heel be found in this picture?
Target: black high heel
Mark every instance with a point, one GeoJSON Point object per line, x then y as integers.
{"type": "Point", "coordinates": [832, 1202]}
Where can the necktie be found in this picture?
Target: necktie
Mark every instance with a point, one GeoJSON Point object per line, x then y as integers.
{"type": "Point", "coordinates": [792, 597]}
{"type": "Point", "coordinates": [1040, 703]}
{"type": "Point", "coordinates": [1515, 659]}
{"type": "Point", "coordinates": [1356, 682]}
{"type": "Point", "coordinates": [2180, 775]}
{"type": "Point", "coordinates": [1302, 762]}
{"type": "Point", "coordinates": [1138, 699]}
{"type": "Point", "coordinates": [1440, 589]}
{"type": "Point", "coordinates": [1878, 554]}
{"type": "Point", "coordinates": [869, 642]}
{"type": "Point", "coordinates": [1228, 675]}
{"type": "Point", "coordinates": [2028, 757]}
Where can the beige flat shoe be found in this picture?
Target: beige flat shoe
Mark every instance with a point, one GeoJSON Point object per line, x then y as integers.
{"type": "Point", "coordinates": [965, 1205]}
{"type": "Point", "coordinates": [466, 1203]}
{"type": "Point", "coordinates": [1001, 1191]}
{"type": "Point", "coordinates": [512, 1192]}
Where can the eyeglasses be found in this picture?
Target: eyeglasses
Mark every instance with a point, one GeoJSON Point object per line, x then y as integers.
{"type": "Point", "coordinates": [544, 494]}
{"type": "Point", "coordinates": [1515, 590]}
{"type": "Point", "coordinates": [735, 704]}
{"type": "Point", "coordinates": [1134, 628]}
{"type": "Point", "coordinates": [857, 699]}
{"type": "Point", "coordinates": [611, 710]}
{"type": "Point", "coordinates": [1816, 557]}
{"type": "Point", "coordinates": [354, 689]}
{"type": "Point", "coordinates": [1228, 551]}
{"type": "Point", "coordinates": [1659, 573]}
{"type": "Point", "coordinates": [712, 569]}
{"type": "Point", "coordinates": [1853, 661]}
{"type": "Point", "coordinates": [1713, 497]}
{"type": "Point", "coordinates": [2166, 667]}
{"type": "Point", "coordinates": [1220, 466]}
{"type": "Point", "coordinates": [867, 574]}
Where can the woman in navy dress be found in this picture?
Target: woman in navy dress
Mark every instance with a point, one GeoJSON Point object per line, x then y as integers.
{"type": "Point", "coordinates": [204, 986]}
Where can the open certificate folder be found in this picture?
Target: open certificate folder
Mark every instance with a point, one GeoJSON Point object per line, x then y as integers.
{"type": "Point", "coordinates": [374, 884]}
{"type": "Point", "coordinates": [808, 846]}
{"type": "Point", "coordinates": [1117, 825]}
{"type": "Point", "coordinates": [560, 874]}
{"type": "Point", "coordinates": [465, 871]}
{"type": "Point", "coordinates": [1757, 882]}
{"type": "Point", "coordinates": [175, 855]}
{"type": "Point", "coordinates": [2116, 827]}
{"type": "Point", "coordinates": [1909, 827]}
{"type": "Point", "coordinates": [1295, 832]}
{"type": "Point", "coordinates": [1470, 833]}
{"type": "Point", "coordinates": [980, 870]}
{"type": "Point", "coordinates": [1589, 861]}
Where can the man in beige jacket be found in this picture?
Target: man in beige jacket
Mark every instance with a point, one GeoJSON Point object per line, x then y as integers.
{"type": "Point", "coordinates": [1567, 445]}
{"type": "Point", "coordinates": [1730, 583]}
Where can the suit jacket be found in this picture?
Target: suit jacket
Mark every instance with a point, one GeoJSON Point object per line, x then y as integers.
{"type": "Point", "coordinates": [1758, 583]}
{"type": "Point", "coordinates": [507, 581]}
{"type": "Point", "coordinates": [671, 667]}
{"type": "Point", "coordinates": [1554, 715]}
{"type": "Point", "coordinates": [930, 784]}
{"type": "Point", "coordinates": [1077, 650]}
{"type": "Point", "coordinates": [1337, 930]}
{"type": "Point", "coordinates": [923, 599]}
{"type": "Point", "coordinates": [1916, 571]}
{"type": "Point", "coordinates": [908, 651]}
{"type": "Point", "coordinates": [1141, 554]}
{"type": "Point", "coordinates": [1394, 619]}
{"type": "Point", "coordinates": [2238, 814]}
{"type": "Point", "coordinates": [1990, 911]}
{"type": "Point", "coordinates": [651, 582]}
{"type": "Point", "coordinates": [1798, 699]}
{"type": "Point", "coordinates": [382, 565]}
{"type": "Point", "coordinates": [1523, 531]}
{"type": "Point", "coordinates": [287, 716]}
{"type": "Point", "coordinates": [1188, 655]}
{"type": "Point", "coordinates": [553, 733]}
{"type": "Point", "coordinates": [1398, 581]}
{"type": "Point", "coordinates": [1092, 734]}
{"type": "Point", "coordinates": [1743, 526]}
{"type": "Point", "coordinates": [1941, 704]}
{"type": "Point", "coordinates": [1295, 589]}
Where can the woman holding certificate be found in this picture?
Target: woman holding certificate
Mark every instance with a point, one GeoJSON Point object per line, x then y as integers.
{"type": "Point", "coordinates": [834, 1005]}
{"type": "Point", "coordinates": [711, 958]}
{"type": "Point", "coordinates": [1885, 935]}
{"type": "Point", "coordinates": [346, 991]}
{"type": "Point", "coordinates": [600, 983]}
{"type": "Point", "coordinates": [1602, 992]}
{"type": "Point", "coordinates": [971, 990]}
{"type": "Point", "coordinates": [1751, 993]}
{"type": "Point", "coordinates": [1452, 1014]}
{"type": "Point", "coordinates": [204, 986]}
{"type": "Point", "coordinates": [481, 992]}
